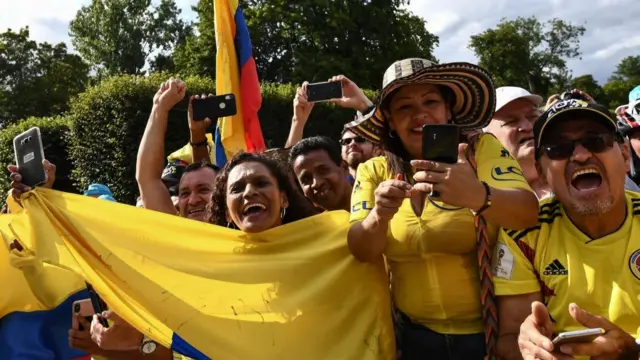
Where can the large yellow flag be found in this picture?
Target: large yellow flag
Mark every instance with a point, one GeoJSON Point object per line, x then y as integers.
{"type": "Point", "coordinates": [292, 292]}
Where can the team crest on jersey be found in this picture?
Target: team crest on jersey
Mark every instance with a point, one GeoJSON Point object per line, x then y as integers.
{"type": "Point", "coordinates": [634, 264]}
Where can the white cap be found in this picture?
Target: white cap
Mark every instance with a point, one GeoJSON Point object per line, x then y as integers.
{"type": "Point", "coordinates": [507, 94]}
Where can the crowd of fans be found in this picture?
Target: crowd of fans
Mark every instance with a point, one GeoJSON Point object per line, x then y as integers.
{"type": "Point", "coordinates": [533, 232]}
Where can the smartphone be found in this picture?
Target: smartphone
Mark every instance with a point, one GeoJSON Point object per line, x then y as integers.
{"type": "Point", "coordinates": [83, 308]}
{"type": "Point", "coordinates": [580, 336]}
{"type": "Point", "coordinates": [29, 154]}
{"type": "Point", "coordinates": [96, 303]}
{"type": "Point", "coordinates": [440, 143]}
{"type": "Point", "coordinates": [214, 107]}
{"type": "Point", "coordinates": [324, 91]}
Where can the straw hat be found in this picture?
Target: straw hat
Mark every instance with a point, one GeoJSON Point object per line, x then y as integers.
{"type": "Point", "coordinates": [475, 94]}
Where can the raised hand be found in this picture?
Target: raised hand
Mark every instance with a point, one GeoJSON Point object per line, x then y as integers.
{"type": "Point", "coordinates": [352, 96]}
{"type": "Point", "coordinates": [301, 107]}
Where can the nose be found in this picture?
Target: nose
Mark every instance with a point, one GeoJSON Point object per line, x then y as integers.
{"type": "Point", "coordinates": [194, 199]}
{"type": "Point", "coordinates": [580, 153]}
{"type": "Point", "coordinates": [525, 125]}
{"type": "Point", "coordinates": [317, 183]}
{"type": "Point", "coordinates": [249, 191]}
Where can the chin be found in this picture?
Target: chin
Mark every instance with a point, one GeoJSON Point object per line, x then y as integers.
{"type": "Point", "coordinates": [593, 207]}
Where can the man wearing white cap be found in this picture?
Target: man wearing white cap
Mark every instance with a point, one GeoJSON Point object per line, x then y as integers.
{"type": "Point", "coordinates": [512, 123]}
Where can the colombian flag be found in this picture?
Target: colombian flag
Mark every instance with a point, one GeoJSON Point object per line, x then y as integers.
{"type": "Point", "coordinates": [210, 292]}
{"type": "Point", "coordinates": [36, 327]}
{"type": "Point", "coordinates": [236, 73]}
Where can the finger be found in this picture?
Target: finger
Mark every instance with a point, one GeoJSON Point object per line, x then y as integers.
{"type": "Point", "coordinates": [110, 315]}
{"type": "Point", "coordinates": [12, 168]}
{"type": "Point", "coordinates": [304, 86]}
{"type": "Point", "coordinates": [82, 321]}
{"type": "Point", "coordinates": [203, 96]}
{"type": "Point", "coordinates": [16, 177]}
{"type": "Point", "coordinates": [392, 192]}
{"type": "Point", "coordinates": [210, 95]}
{"type": "Point", "coordinates": [600, 346]}
{"type": "Point", "coordinates": [429, 176]}
{"type": "Point", "coordinates": [399, 177]}
{"type": "Point", "coordinates": [207, 121]}
{"type": "Point", "coordinates": [429, 165]}
{"type": "Point", "coordinates": [422, 187]}
{"type": "Point", "coordinates": [399, 184]}
{"type": "Point", "coordinates": [389, 203]}
{"type": "Point", "coordinates": [588, 320]}
{"type": "Point", "coordinates": [462, 153]}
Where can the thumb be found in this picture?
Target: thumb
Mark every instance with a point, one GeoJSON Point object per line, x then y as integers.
{"type": "Point", "coordinates": [587, 319]}
{"type": "Point", "coordinates": [110, 315]}
{"type": "Point", "coordinates": [207, 121]}
{"type": "Point", "coordinates": [462, 153]}
{"type": "Point", "coordinates": [540, 313]}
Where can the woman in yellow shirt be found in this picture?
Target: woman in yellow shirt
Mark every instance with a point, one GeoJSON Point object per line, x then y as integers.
{"type": "Point", "coordinates": [420, 214]}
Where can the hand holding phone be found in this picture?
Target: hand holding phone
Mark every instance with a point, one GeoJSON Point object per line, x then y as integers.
{"type": "Point", "coordinates": [324, 91]}
{"type": "Point", "coordinates": [213, 107]}
{"type": "Point", "coordinates": [29, 154]}
{"type": "Point", "coordinates": [440, 143]}
{"type": "Point", "coordinates": [84, 309]}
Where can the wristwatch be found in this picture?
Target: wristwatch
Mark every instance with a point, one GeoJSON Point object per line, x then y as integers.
{"type": "Point", "coordinates": [487, 200]}
{"type": "Point", "coordinates": [148, 346]}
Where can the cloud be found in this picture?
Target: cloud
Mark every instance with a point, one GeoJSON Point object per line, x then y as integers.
{"type": "Point", "coordinates": [609, 38]}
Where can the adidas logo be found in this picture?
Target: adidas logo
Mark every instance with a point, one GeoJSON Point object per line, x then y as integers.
{"type": "Point", "coordinates": [555, 268]}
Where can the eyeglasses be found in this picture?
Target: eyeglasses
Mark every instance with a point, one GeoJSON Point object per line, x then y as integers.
{"type": "Point", "coordinates": [357, 140]}
{"type": "Point", "coordinates": [593, 143]}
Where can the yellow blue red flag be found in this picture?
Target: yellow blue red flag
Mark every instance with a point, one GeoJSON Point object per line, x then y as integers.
{"type": "Point", "coordinates": [205, 291]}
{"type": "Point", "coordinates": [236, 73]}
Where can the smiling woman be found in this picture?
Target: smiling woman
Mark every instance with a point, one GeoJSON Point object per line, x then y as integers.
{"type": "Point", "coordinates": [253, 193]}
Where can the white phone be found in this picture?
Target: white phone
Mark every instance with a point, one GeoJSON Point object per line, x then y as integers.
{"type": "Point", "coordinates": [581, 336]}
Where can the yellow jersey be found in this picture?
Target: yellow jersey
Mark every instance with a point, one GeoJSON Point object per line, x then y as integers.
{"type": "Point", "coordinates": [555, 258]}
{"type": "Point", "coordinates": [433, 258]}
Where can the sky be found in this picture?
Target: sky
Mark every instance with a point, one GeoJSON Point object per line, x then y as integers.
{"type": "Point", "coordinates": [611, 34]}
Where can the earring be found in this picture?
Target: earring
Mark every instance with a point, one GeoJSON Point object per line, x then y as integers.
{"type": "Point", "coordinates": [392, 134]}
{"type": "Point", "coordinates": [283, 213]}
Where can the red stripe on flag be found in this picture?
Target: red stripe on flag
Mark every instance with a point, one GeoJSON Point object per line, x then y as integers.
{"type": "Point", "coordinates": [251, 103]}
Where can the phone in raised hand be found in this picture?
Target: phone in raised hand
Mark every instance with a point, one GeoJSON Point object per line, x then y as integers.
{"type": "Point", "coordinates": [29, 154]}
{"type": "Point", "coordinates": [324, 91]}
{"type": "Point", "coordinates": [440, 143]}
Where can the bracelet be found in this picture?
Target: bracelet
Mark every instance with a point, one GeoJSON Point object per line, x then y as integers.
{"type": "Point", "coordinates": [201, 143]}
{"type": "Point", "coordinates": [487, 200]}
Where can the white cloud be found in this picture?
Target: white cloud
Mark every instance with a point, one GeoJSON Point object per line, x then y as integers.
{"type": "Point", "coordinates": [603, 45]}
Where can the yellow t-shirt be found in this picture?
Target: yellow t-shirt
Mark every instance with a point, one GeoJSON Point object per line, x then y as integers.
{"type": "Point", "coordinates": [433, 257]}
{"type": "Point", "coordinates": [555, 258]}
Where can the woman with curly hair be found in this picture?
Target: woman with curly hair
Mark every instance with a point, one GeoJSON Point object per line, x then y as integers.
{"type": "Point", "coordinates": [253, 193]}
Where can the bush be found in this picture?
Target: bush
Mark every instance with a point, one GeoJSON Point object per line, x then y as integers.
{"type": "Point", "coordinates": [54, 134]}
{"type": "Point", "coordinates": [108, 120]}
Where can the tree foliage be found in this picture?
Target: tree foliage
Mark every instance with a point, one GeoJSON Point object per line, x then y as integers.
{"type": "Point", "coordinates": [589, 85]}
{"type": "Point", "coordinates": [313, 40]}
{"type": "Point", "coordinates": [528, 53]}
{"type": "Point", "coordinates": [120, 36]}
{"type": "Point", "coordinates": [36, 79]}
{"type": "Point", "coordinates": [197, 55]}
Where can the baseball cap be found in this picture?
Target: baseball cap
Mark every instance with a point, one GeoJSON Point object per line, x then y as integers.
{"type": "Point", "coordinates": [634, 94]}
{"type": "Point", "coordinates": [507, 94]}
{"type": "Point", "coordinates": [172, 173]}
{"type": "Point", "coordinates": [107, 197]}
{"type": "Point", "coordinates": [572, 109]}
{"type": "Point", "coordinates": [98, 189]}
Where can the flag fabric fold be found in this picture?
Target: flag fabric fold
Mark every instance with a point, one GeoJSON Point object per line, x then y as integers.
{"type": "Point", "coordinates": [35, 327]}
{"type": "Point", "coordinates": [292, 292]}
{"type": "Point", "coordinates": [236, 73]}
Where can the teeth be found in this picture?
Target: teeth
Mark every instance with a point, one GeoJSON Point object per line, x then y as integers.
{"type": "Point", "coordinates": [193, 211]}
{"type": "Point", "coordinates": [583, 172]}
{"type": "Point", "coordinates": [417, 129]}
{"type": "Point", "coordinates": [254, 205]}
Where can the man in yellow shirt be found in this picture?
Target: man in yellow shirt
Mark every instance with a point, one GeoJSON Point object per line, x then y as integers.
{"type": "Point", "coordinates": [580, 266]}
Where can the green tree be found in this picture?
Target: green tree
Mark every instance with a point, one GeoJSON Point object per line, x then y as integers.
{"type": "Point", "coordinates": [120, 36]}
{"type": "Point", "coordinates": [313, 40]}
{"type": "Point", "coordinates": [528, 53]}
{"type": "Point", "coordinates": [36, 79]}
{"type": "Point", "coordinates": [197, 55]}
{"type": "Point", "coordinates": [628, 70]}
{"type": "Point", "coordinates": [589, 85]}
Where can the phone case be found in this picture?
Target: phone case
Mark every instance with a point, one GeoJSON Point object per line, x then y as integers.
{"type": "Point", "coordinates": [440, 143]}
{"type": "Point", "coordinates": [587, 335]}
{"type": "Point", "coordinates": [83, 308]}
{"type": "Point", "coordinates": [29, 153]}
{"type": "Point", "coordinates": [324, 91]}
{"type": "Point", "coordinates": [214, 107]}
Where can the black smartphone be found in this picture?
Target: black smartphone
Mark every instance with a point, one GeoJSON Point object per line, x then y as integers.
{"type": "Point", "coordinates": [440, 143]}
{"type": "Point", "coordinates": [324, 91]}
{"type": "Point", "coordinates": [97, 304]}
{"type": "Point", "coordinates": [29, 153]}
{"type": "Point", "coordinates": [579, 336]}
{"type": "Point", "coordinates": [214, 107]}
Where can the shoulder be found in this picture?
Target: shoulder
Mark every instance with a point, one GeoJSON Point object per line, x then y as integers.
{"type": "Point", "coordinates": [374, 169]}
{"type": "Point", "coordinates": [634, 198]}
{"type": "Point", "coordinates": [489, 145]}
{"type": "Point", "coordinates": [549, 212]}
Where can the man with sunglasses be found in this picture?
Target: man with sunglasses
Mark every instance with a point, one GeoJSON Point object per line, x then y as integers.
{"type": "Point", "coordinates": [580, 266]}
{"type": "Point", "coordinates": [355, 151]}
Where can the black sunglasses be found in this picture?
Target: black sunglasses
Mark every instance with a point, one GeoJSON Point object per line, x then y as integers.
{"type": "Point", "coordinates": [357, 139]}
{"type": "Point", "coordinates": [593, 143]}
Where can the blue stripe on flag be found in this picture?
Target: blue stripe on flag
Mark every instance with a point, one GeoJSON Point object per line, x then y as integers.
{"type": "Point", "coordinates": [221, 156]}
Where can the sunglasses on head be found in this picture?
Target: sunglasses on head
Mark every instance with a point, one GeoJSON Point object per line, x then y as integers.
{"type": "Point", "coordinates": [595, 144]}
{"type": "Point", "coordinates": [357, 140]}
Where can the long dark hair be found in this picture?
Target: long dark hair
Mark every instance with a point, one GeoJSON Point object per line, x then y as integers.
{"type": "Point", "coordinates": [395, 153]}
{"type": "Point", "coordinates": [299, 207]}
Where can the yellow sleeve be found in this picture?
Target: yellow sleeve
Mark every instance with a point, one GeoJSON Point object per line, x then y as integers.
{"type": "Point", "coordinates": [186, 152]}
{"type": "Point", "coordinates": [177, 356]}
{"type": "Point", "coordinates": [362, 197]}
{"type": "Point", "coordinates": [497, 167]}
{"type": "Point", "coordinates": [513, 272]}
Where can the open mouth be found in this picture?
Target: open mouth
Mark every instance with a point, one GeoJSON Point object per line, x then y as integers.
{"type": "Point", "coordinates": [196, 211]}
{"type": "Point", "coordinates": [322, 193]}
{"type": "Point", "coordinates": [526, 140]}
{"type": "Point", "coordinates": [586, 179]}
{"type": "Point", "coordinates": [253, 209]}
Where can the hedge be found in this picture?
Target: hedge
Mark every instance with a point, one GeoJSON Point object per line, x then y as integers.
{"type": "Point", "coordinates": [54, 139]}
{"type": "Point", "coordinates": [107, 121]}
